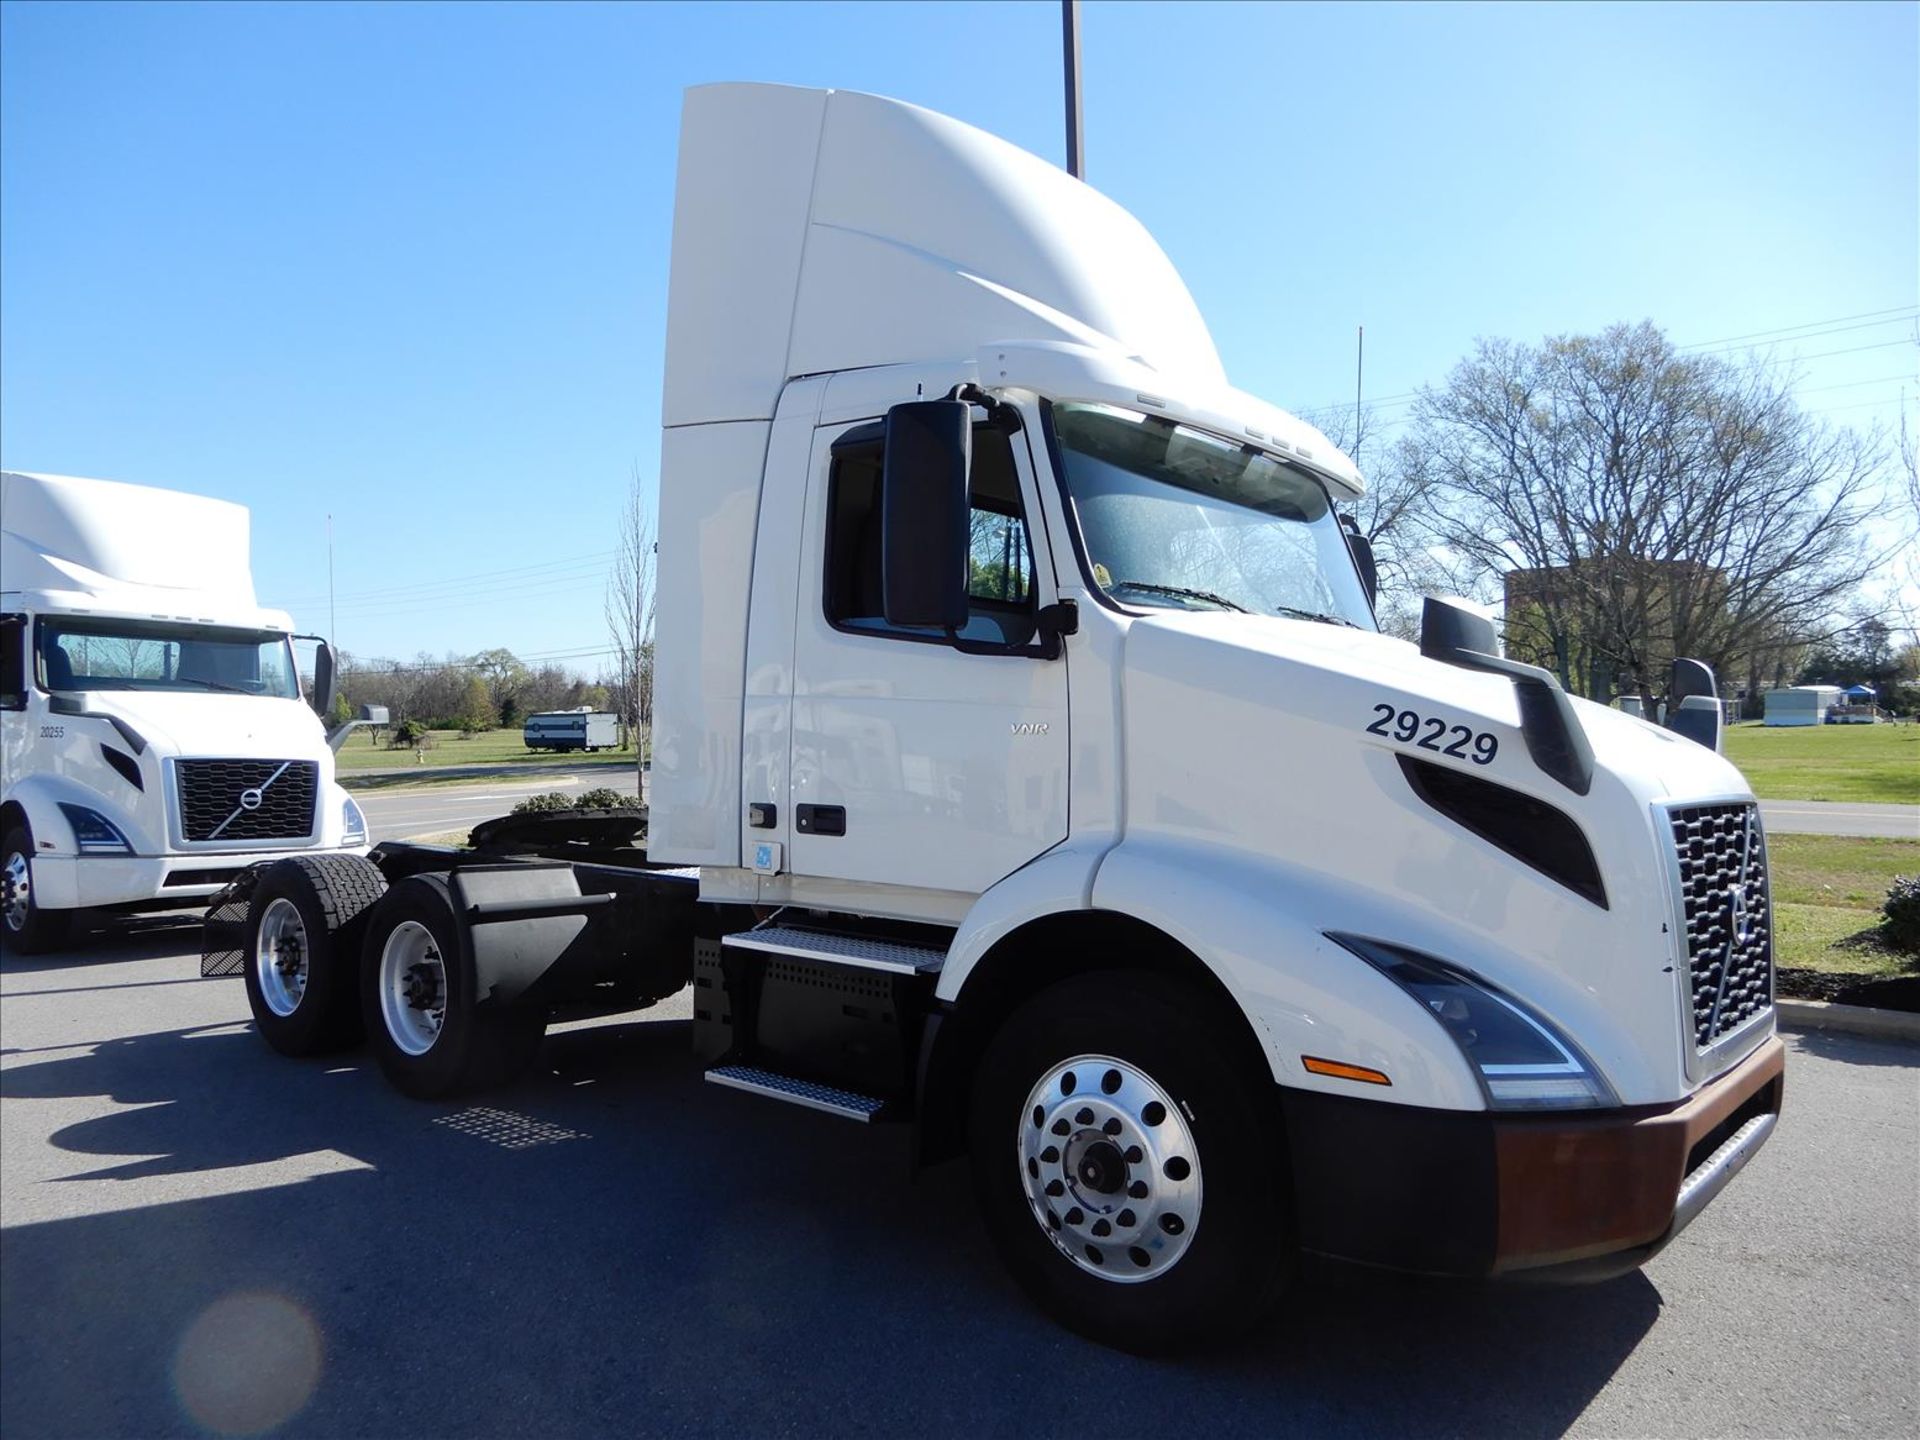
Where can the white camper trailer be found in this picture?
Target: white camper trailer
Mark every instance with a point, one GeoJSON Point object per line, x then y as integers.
{"type": "Point", "coordinates": [153, 731]}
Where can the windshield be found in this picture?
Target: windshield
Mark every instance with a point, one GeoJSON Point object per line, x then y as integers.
{"type": "Point", "coordinates": [89, 654]}
{"type": "Point", "coordinates": [1177, 518]}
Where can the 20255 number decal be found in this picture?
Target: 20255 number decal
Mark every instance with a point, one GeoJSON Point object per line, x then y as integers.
{"type": "Point", "coordinates": [1427, 733]}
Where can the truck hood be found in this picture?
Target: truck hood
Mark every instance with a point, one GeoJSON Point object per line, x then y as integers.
{"type": "Point", "coordinates": [183, 724]}
{"type": "Point", "coordinates": [1276, 748]}
{"type": "Point", "coordinates": [1356, 669]}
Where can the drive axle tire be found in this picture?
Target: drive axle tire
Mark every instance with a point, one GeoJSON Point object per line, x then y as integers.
{"type": "Point", "coordinates": [304, 923]}
{"type": "Point", "coordinates": [424, 1022]}
{"type": "Point", "coordinates": [30, 928]}
{"type": "Point", "coordinates": [1128, 1166]}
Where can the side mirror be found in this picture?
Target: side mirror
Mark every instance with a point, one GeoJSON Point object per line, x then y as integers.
{"type": "Point", "coordinates": [1361, 548]}
{"type": "Point", "coordinates": [373, 715]}
{"type": "Point", "coordinates": [323, 680]}
{"type": "Point", "coordinates": [1693, 703]}
{"type": "Point", "coordinates": [923, 513]}
{"type": "Point", "coordinates": [1449, 628]}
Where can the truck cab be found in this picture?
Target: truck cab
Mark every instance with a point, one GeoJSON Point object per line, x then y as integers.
{"type": "Point", "coordinates": [154, 731]}
{"type": "Point", "coordinates": [1004, 645]}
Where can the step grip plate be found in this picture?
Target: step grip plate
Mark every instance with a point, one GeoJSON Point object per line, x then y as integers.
{"type": "Point", "coordinates": [830, 1099]}
{"type": "Point", "coordinates": [857, 950]}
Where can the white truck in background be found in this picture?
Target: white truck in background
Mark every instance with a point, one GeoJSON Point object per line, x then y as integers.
{"type": "Point", "coordinates": [154, 740]}
{"type": "Point", "coordinates": [1029, 768]}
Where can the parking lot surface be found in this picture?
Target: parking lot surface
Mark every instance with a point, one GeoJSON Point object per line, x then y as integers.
{"type": "Point", "coordinates": [198, 1236]}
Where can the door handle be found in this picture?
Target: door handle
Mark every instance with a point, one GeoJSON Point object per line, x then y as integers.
{"type": "Point", "coordinates": [820, 819]}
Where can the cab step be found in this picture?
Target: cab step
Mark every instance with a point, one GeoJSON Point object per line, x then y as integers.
{"type": "Point", "coordinates": [847, 1104]}
{"type": "Point", "coordinates": [863, 952]}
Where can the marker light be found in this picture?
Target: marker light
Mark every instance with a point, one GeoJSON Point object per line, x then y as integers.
{"type": "Point", "coordinates": [1341, 1070]}
{"type": "Point", "coordinates": [93, 833]}
{"type": "Point", "coordinates": [1521, 1059]}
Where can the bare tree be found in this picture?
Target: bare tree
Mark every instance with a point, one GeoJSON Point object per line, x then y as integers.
{"type": "Point", "coordinates": [1658, 504]}
{"type": "Point", "coordinates": [629, 607]}
{"type": "Point", "coordinates": [1392, 514]}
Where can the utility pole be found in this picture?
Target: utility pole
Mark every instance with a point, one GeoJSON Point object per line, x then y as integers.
{"type": "Point", "coordinates": [1070, 51]}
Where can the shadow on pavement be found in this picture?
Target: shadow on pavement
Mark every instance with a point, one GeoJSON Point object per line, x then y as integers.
{"type": "Point", "coordinates": [610, 1245]}
{"type": "Point", "coordinates": [1856, 1049]}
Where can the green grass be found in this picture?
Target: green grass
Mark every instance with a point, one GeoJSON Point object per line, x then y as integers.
{"type": "Point", "coordinates": [1878, 764]}
{"type": "Point", "coordinates": [449, 747]}
{"type": "Point", "coordinates": [1827, 891]}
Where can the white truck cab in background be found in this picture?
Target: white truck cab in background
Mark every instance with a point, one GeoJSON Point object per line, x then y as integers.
{"type": "Point", "coordinates": [154, 739]}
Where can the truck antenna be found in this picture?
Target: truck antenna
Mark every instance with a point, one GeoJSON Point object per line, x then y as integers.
{"type": "Point", "coordinates": [1070, 48]}
{"type": "Point", "coordinates": [1359, 371]}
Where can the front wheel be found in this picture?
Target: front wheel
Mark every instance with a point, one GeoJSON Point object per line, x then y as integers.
{"type": "Point", "coordinates": [1126, 1166]}
{"type": "Point", "coordinates": [31, 929]}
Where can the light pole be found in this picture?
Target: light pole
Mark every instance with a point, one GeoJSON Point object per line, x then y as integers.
{"type": "Point", "coordinates": [1070, 48]}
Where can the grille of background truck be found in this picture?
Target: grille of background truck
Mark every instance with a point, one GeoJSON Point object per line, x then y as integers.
{"type": "Point", "coordinates": [211, 809]}
{"type": "Point", "coordinates": [1729, 924]}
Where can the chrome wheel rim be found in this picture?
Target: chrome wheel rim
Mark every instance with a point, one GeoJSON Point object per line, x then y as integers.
{"type": "Point", "coordinates": [413, 987]}
{"type": "Point", "coordinates": [280, 957]}
{"type": "Point", "coordinates": [18, 879]}
{"type": "Point", "coordinates": [1110, 1168]}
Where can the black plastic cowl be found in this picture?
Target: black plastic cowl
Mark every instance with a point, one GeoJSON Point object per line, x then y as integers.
{"type": "Point", "coordinates": [1457, 634]}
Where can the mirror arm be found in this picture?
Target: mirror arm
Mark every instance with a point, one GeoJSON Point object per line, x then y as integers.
{"type": "Point", "coordinates": [1002, 415]}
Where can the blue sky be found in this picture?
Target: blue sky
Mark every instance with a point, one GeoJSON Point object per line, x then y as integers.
{"type": "Point", "coordinates": [407, 265]}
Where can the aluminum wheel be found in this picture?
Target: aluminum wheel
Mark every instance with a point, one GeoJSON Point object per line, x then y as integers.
{"type": "Point", "coordinates": [1111, 1170]}
{"type": "Point", "coordinates": [280, 957]}
{"type": "Point", "coordinates": [413, 987]}
{"type": "Point", "coordinates": [18, 879]}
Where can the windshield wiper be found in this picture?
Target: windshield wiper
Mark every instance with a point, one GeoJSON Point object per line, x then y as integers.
{"type": "Point", "coordinates": [1322, 616]}
{"type": "Point", "coordinates": [219, 685]}
{"type": "Point", "coordinates": [1178, 592]}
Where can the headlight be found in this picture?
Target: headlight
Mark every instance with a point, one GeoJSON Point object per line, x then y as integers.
{"type": "Point", "coordinates": [94, 833]}
{"type": "Point", "coordinates": [1523, 1062]}
{"type": "Point", "coordinates": [353, 820]}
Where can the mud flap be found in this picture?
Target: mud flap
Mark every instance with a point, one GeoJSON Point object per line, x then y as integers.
{"type": "Point", "coordinates": [223, 935]}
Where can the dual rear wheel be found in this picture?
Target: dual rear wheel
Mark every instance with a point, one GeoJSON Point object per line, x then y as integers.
{"type": "Point", "coordinates": [334, 956]}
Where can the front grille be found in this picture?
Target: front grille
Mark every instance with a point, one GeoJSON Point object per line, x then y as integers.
{"type": "Point", "coordinates": [1729, 925]}
{"type": "Point", "coordinates": [214, 796]}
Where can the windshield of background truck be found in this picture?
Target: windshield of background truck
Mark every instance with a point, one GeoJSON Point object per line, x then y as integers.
{"type": "Point", "coordinates": [1180, 519]}
{"type": "Point", "coordinates": [86, 654]}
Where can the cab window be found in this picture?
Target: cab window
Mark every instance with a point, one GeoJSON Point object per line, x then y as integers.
{"type": "Point", "coordinates": [1001, 603]}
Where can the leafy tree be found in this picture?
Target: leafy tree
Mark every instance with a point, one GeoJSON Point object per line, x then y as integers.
{"type": "Point", "coordinates": [476, 708]}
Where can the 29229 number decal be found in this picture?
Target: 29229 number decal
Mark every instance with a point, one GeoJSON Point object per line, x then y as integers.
{"type": "Point", "coordinates": [1427, 733]}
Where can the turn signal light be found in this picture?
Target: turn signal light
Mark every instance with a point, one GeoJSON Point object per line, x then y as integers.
{"type": "Point", "coordinates": [1340, 1070]}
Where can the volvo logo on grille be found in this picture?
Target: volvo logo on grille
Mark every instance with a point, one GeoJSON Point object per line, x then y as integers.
{"type": "Point", "coordinates": [250, 799]}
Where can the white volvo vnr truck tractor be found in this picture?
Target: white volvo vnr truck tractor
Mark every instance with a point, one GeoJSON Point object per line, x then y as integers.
{"type": "Point", "coordinates": [1029, 769]}
{"type": "Point", "coordinates": [154, 740]}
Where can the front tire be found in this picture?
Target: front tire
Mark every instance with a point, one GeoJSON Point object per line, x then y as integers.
{"type": "Point", "coordinates": [1127, 1168]}
{"type": "Point", "coordinates": [31, 929]}
{"type": "Point", "coordinates": [418, 1002]}
{"type": "Point", "coordinates": [304, 923]}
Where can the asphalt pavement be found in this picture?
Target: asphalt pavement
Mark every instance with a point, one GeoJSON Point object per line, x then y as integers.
{"type": "Point", "coordinates": [198, 1235]}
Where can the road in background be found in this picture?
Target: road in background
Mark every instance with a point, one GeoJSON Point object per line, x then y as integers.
{"type": "Point", "coordinates": [1841, 817]}
{"type": "Point", "coordinates": [203, 1236]}
{"type": "Point", "coordinates": [407, 814]}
